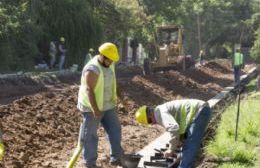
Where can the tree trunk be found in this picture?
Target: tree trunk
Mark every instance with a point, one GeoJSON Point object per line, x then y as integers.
{"type": "Point", "coordinates": [134, 56]}
{"type": "Point", "coordinates": [124, 50]}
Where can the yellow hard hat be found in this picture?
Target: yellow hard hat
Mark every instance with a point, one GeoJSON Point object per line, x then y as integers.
{"type": "Point", "coordinates": [91, 50]}
{"type": "Point", "coordinates": [62, 39]}
{"type": "Point", "coordinates": [109, 50]}
{"type": "Point", "coordinates": [1, 150]}
{"type": "Point", "coordinates": [141, 115]}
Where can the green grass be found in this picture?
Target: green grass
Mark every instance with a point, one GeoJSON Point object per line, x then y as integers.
{"type": "Point", "coordinates": [245, 151]}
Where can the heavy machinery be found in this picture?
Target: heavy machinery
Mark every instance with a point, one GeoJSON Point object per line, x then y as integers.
{"type": "Point", "coordinates": [169, 51]}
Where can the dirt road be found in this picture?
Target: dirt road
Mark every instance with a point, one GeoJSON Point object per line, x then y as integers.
{"type": "Point", "coordinates": [41, 130]}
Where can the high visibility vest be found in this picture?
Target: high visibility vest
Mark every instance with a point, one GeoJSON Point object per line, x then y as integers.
{"type": "Point", "coordinates": [186, 118]}
{"type": "Point", "coordinates": [238, 58]}
{"type": "Point", "coordinates": [99, 88]}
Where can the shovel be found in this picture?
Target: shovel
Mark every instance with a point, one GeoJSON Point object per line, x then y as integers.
{"type": "Point", "coordinates": [78, 150]}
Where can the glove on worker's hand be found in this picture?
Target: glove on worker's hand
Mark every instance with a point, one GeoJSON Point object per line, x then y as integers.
{"type": "Point", "coordinates": [169, 153]}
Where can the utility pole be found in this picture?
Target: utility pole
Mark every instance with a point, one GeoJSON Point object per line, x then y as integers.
{"type": "Point", "coordinates": [238, 110]}
{"type": "Point", "coordinates": [239, 90]}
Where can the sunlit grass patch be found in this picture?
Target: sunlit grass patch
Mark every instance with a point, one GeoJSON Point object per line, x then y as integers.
{"type": "Point", "coordinates": [241, 153]}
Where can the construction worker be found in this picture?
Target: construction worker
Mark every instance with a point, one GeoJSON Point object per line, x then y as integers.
{"type": "Point", "coordinates": [52, 53]}
{"type": "Point", "coordinates": [186, 121]}
{"type": "Point", "coordinates": [238, 62]}
{"type": "Point", "coordinates": [89, 55]}
{"type": "Point", "coordinates": [201, 57]}
{"type": "Point", "coordinates": [97, 101]}
{"type": "Point", "coordinates": [62, 52]}
{"type": "Point", "coordinates": [1, 147]}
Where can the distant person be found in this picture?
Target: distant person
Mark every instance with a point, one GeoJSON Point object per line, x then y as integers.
{"type": "Point", "coordinates": [1, 147]}
{"type": "Point", "coordinates": [52, 53]}
{"type": "Point", "coordinates": [201, 57]}
{"type": "Point", "coordinates": [97, 103]}
{"type": "Point", "coordinates": [89, 55]}
{"type": "Point", "coordinates": [186, 120]}
{"type": "Point", "coordinates": [238, 63]}
{"type": "Point", "coordinates": [62, 51]}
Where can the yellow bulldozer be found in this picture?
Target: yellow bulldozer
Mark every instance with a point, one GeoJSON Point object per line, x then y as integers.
{"type": "Point", "coordinates": [169, 51]}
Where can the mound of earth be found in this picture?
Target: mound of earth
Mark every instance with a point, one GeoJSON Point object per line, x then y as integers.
{"type": "Point", "coordinates": [41, 130]}
{"type": "Point", "coordinates": [14, 86]}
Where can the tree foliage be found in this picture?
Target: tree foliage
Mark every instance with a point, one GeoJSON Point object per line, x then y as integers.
{"type": "Point", "coordinates": [73, 20]}
{"type": "Point", "coordinates": [27, 26]}
{"type": "Point", "coordinates": [16, 37]}
{"type": "Point", "coordinates": [255, 51]}
{"type": "Point", "coordinates": [220, 21]}
{"type": "Point", "coordinates": [255, 21]}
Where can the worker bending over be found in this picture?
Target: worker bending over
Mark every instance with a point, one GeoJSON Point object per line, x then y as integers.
{"type": "Point", "coordinates": [186, 121]}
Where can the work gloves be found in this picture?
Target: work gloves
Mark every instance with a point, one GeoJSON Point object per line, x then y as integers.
{"type": "Point", "coordinates": [169, 153]}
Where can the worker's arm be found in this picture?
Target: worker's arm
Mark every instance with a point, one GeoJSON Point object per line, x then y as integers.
{"type": "Point", "coordinates": [91, 79]}
{"type": "Point", "coordinates": [62, 49]}
{"type": "Point", "coordinates": [165, 118]}
{"type": "Point", "coordinates": [173, 128]}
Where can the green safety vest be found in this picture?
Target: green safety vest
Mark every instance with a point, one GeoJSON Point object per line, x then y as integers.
{"type": "Point", "coordinates": [238, 58]}
{"type": "Point", "coordinates": [186, 118]}
{"type": "Point", "coordinates": [99, 88]}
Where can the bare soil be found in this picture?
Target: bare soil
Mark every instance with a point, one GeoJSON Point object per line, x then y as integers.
{"type": "Point", "coordinates": [41, 130]}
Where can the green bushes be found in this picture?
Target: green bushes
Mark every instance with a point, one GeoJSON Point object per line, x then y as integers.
{"type": "Point", "coordinates": [27, 28]}
{"type": "Point", "coordinates": [255, 51]}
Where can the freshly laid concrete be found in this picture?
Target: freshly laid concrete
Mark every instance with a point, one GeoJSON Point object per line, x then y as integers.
{"type": "Point", "coordinates": [162, 140]}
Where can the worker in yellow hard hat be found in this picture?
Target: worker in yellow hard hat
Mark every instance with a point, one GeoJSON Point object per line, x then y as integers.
{"type": "Point", "coordinates": [97, 101]}
{"type": "Point", "coordinates": [238, 64]}
{"type": "Point", "coordinates": [62, 52]}
{"type": "Point", "coordinates": [62, 39]}
{"type": "Point", "coordinates": [1, 147]}
{"type": "Point", "coordinates": [186, 121]}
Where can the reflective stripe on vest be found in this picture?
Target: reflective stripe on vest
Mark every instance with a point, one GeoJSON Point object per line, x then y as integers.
{"type": "Point", "coordinates": [186, 119]}
{"type": "Point", "coordinates": [99, 88]}
{"type": "Point", "coordinates": [238, 60]}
